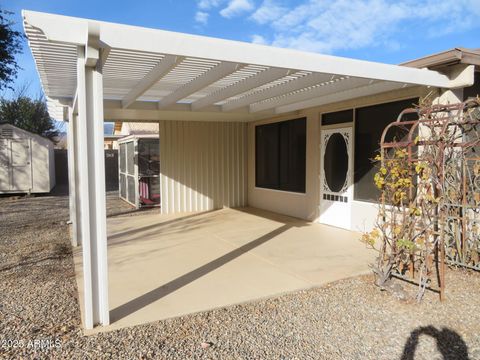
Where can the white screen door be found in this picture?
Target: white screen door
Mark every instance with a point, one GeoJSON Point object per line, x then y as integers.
{"type": "Point", "coordinates": [336, 174]}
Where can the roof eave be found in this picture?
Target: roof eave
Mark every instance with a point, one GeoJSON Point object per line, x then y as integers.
{"type": "Point", "coordinates": [446, 58]}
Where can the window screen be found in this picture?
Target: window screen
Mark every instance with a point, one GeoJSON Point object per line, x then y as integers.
{"type": "Point", "coordinates": [130, 154]}
{"type": "Point", "coordinates": [338, 117]}
{"type": "Point", "coordinates": [148, 157]}
{"type": "Point", "coordinates": [280, 155]}
{"type": "Point", "coordinates": [123, 186]}
{"type": "Point", "coordinates": [474, 90]}
{"type": "Point", "coordinates": [369, 125]}
{"type": "Point", "coordinates": [122, 158]}
{"type": "Point", "coordinates": [131, 189]}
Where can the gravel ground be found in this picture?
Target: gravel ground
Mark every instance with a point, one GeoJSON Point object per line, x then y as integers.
{"type": "Point", "coordinates": [348, 319]}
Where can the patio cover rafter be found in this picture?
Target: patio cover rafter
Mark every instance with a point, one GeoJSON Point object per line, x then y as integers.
{"type": "Point", "coordinates": [159, 71]}
{"type": "Point", "coordinates": [218, 72]}
{"type": "Point", "coordinates": [249, 83]}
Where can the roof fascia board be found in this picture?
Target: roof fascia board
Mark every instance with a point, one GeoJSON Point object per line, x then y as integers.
{"type": "Point", "coordinates": [471, 58]}
{"type": "Point", "coordinates": [435, 59]}
{"type": "Point", "coordinates": [58, 28]}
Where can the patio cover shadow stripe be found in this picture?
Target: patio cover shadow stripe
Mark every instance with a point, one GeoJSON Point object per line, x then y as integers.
{"type": "Point", "coordinates": [166, 289]}
{"type": "Point", "coordinates": [157, 225]}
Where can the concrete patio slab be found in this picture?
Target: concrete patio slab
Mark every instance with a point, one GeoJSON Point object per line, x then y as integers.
{"type": "Point", "coordinates": [166, 266]}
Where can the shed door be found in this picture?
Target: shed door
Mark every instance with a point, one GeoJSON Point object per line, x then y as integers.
{"type": "Point", "coordinates": [21, 165]}
{"type": "Point", "coordinates": [4, 165]}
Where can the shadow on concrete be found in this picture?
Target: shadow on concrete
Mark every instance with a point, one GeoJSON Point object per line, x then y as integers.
{"type": "Point", "coordinates": [179, 224]}
{"type": "Point", "coordinates": [168, 288]}
{"type": "Point", "coordinates": [449, 343]}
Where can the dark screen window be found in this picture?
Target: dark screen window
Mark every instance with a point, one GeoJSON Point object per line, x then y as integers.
{"type": "Point", "coordinates": [148, 157]}
{"type": "Point", "coordinates": [369, 125]}
{"type": "Point", "coordinates": [338, 117]}
{"type": "Point", "coordinates": [280, 150]}
{"type": "Point", "coordinates": [474, 90]}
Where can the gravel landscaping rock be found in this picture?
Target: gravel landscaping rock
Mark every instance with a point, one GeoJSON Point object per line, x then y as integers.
{"type": "Point", "coordinates": [348, 319]}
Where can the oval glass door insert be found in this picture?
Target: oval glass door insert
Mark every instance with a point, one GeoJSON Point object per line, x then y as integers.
{"type": "Point", "coordinates": [335, 162]}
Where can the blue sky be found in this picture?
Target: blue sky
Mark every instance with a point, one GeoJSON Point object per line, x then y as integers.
{"type": "Point", "coordinates": [376, 30]}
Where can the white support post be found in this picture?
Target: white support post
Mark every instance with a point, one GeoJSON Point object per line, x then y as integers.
{"type": "Point", "coordinates": [77, 179]}
{"type": "Point", "coordinates": [72, 187]}
{"type": "Point", "coordinates": [91, 165]}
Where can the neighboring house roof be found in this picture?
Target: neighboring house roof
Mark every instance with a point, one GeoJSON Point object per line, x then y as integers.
{"type": "Point", "coordinates": [445, 58]}
{"type": "Point", "coordinates": [117, 128]}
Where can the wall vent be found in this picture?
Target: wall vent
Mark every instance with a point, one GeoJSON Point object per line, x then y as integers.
{"type": "Point", "coordinates": [7, 133]}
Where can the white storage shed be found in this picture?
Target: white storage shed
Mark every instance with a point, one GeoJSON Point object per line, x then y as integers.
{"type": "Point", "coordinates": [27, 162]}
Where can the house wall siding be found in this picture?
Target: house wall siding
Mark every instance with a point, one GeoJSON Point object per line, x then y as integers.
{"type": "Point", "coordinates": [202, 165]}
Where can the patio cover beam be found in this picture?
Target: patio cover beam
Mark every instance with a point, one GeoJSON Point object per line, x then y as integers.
{"type": "Point", "coordinates": [147, 111]}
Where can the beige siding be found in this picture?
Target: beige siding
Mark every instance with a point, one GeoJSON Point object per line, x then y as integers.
{"type": "Point", "coordinates": [202, 165]}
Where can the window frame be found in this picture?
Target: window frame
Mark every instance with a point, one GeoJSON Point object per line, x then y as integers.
{"type": "Point", "coordinates": [286, 153]}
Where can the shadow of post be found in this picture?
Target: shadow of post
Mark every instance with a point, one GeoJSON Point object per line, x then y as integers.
{"type": "Point", "coordinates": [168, 288]}
{"type": "Point", "coordinates": [449, 343]}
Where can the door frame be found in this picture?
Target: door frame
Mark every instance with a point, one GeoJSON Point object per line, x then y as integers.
{"type": "Point", "coordinates": [350, 127]}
